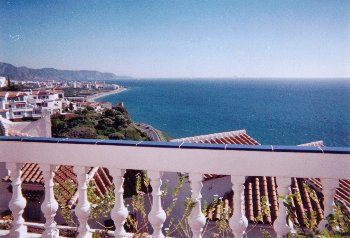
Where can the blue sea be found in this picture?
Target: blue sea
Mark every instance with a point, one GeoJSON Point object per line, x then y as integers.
{"type": "Point", "coordinates": [283, 112]}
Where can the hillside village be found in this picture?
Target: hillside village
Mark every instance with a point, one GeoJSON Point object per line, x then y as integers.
{"type": "Point", "coordinates": [26, 100]}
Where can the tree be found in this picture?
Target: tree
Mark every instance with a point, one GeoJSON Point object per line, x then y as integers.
{"type": "Point", "coordinates": [117, 136]}
{"type": "Point", "coordinates": [83, 132]}
{"type": "Point", "coordinates": [111, 113]}
{"type": "Point", "coordinates": [58, 127]}
{"type": "Point", "coordinates": [87, 123]}
{"type": "Point", "coordinates": [120, 122]}
{"type": "Point", "coordinates": [104, 123]}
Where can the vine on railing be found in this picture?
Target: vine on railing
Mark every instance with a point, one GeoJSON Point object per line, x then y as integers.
{"type": "Point", "coordinates": [222, 223]}
{"type": "Point", "coordinates": [66, 212]}
{"type": "Point", "coordinates": [338, 222]}
{"type": "Point", "coordinates": [137, 222]}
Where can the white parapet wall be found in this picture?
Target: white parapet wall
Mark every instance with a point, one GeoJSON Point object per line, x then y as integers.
{"type": "Point", "coordinates": [38, 128]}
{"type": "Point", "coordinates": [303, 162]}
{"type": "Point", "coordinates": [237, 161]}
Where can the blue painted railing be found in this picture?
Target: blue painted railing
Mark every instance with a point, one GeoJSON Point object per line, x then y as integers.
{"type": "Point", "coordinates": [180, 145]}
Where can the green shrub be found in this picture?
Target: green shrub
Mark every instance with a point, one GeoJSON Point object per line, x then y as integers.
{"type": "Point", "coordinates": [116, 136]}
{"type": "Point", "coordinates": [82, 132]}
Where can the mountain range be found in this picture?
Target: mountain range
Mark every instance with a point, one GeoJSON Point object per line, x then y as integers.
{"type": "Point", "coordinates": [24, 73]}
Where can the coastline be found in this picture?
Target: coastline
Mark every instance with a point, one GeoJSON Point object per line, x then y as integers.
{"type": "Point", "coordinates": [99, 95]}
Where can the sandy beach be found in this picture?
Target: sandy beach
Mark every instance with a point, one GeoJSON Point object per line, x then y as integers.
{"type": "Point", "coordinates": [99, 95]}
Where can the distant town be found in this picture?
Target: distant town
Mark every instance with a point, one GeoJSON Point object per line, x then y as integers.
{"type": "Point", "coordinates": [27, 100]}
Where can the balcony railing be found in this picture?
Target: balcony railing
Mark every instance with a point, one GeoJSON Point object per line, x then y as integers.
{"type": "Point", "coordinates": [13, 116]}
{"type": "Point", "coordinates": [35, 115]}
{"type": "Point", "coordinates": [22, 109]}
{"type": "Point", "coordinates": [283, 162]}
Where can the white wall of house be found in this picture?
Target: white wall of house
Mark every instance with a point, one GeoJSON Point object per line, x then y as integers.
{"type": "Point", "coordinates": [5, 194]}
{"type": "Point", "coordinates": [51, 102]}
{"type": "Point", "coordinates": [3, 82]}
{"type": "Point", "coordinates": [218, 186]}
{"type": "Point", "coordinates": [2, 102]}
{"type": "Point", "coordinates": [39, 128]}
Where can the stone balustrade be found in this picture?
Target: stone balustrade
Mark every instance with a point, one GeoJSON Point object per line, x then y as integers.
{"type": "Point", "coordinates": [283, 162]}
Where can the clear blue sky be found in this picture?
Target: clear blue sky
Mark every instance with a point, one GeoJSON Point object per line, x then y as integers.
{"type": "Point", "coordinates": [290, 38]}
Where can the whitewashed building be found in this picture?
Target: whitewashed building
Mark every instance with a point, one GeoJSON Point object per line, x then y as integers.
{"type": "Point", "coordinates": [14, 106]}
{"type": "Point", "coordinates": [3, 82]}
{"type": "Point", "coordinates": [51, 100]}
{"type": "Point", "coordinates": [17, 106]}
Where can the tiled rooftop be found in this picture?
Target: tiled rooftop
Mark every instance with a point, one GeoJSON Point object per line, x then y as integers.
{"type": "Point", "coordinates": [12, 94]}
{"type": "Point", "coordinates": [31, 174]}
{"type": "Point", "coordinates": [258, 187]}
{"type": "Point", "coordinates": [39, 93]}
{"type": "Point", "coordinates": [233, 137]}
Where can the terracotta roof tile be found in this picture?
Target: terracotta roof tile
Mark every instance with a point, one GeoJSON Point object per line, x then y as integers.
{"type": "Point", "coordinates": [34, 92]}
{"type": "Point", "coordinates": [42, 93]}
{"type": "Point", "coordinates": [32, 174]}
{"type": "Point", "coordinates": [308, 195]}
{"type": "Point", "coordinates": [257, 188]}
{"type": "Point", "coordinates": [12, 94]}
{"type": "Point", "coordinates": [232, 137]}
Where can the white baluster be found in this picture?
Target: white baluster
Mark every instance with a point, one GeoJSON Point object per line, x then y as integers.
{"type": "Point", "coordinates": [83, 208]}
{"type": "Point", "coordinates": [238, 222]}
{"type": "Point", "coordinates": [119, 212]}
{"type": "Point", "coordinates": [17, 202]}
{"type": "Point", "coordinates": [281, 227]}
{"type": "Point", "coordinates": [329, 187]}
{"type": "Point", "coordinates": [157, 215]}
{"type": "Point", "coordinates": [196, 219]}
{"type": "Point", "coordinates": [50, 205]}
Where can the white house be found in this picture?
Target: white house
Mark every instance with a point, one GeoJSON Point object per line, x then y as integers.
{"type": "Point", "coordinates": [14, 106]}
{"type": "Point", "coordinates": [51, 100]}
{"type": "Point", "coordinates": [3, 82]}
{"type": "Point", "coordinates": [39, 128]}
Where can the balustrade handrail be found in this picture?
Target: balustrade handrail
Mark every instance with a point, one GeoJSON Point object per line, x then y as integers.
{"type": "Point", "coordinates": [241, 160]}
{"type": "Point", "coordinates": [327, 163]}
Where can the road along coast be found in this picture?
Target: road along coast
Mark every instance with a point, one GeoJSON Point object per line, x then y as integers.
{"type": "Point", "coordinates": [150, 131]}
{"type": "Point", "coordinates": [93, 98]}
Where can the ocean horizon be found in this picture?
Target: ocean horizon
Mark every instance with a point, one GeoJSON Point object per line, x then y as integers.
{"type": "Point", "coordinates": [272, 111]}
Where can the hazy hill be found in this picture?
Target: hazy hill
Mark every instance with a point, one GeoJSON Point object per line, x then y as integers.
{"type": "Point", "coordinates": [24, 73]}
